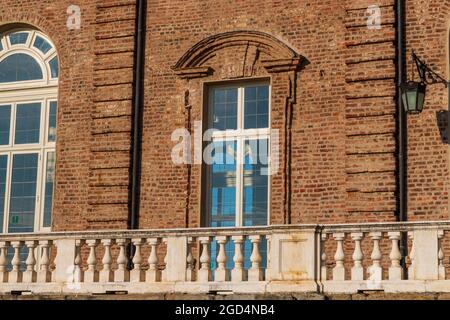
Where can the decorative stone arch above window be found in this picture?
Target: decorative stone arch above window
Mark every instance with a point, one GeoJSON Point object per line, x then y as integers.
{"type": "Point", "coordinates": [254, 47]}
{"type": "Point", "coordinates": [242, 55]}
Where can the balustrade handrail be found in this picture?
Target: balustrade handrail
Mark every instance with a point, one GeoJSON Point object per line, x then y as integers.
{"type": "Point", "coordinates": [230, 231]}
{"type": "Point", "coordinates": [259, 255]}
{"type": "Point", "coordinates": [385, 226]}
{"type": "Point", "coordinates": [157, 233]}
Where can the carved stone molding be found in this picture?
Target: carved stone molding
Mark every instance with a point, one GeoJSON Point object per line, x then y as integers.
{"type": "Point", "coordinates": [191, 73]}
{"type": "Point", "coordinates": [278, 56]}
{"type": "Point", "coordinates": [242, 55]}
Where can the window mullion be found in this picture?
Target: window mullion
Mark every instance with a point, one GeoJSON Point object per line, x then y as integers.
{"type": "Point", "coordinates": [8, 192]}
{"type": "Point", "coordinates": [239, 159]}
{"type": "Point", "coordinates": [42, 175]}
{"type": "Point", "coordinates": [13, 126]}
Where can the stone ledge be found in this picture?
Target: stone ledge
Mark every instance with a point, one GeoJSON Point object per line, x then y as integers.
{"type": "Point", "coordinates": [212, 297]}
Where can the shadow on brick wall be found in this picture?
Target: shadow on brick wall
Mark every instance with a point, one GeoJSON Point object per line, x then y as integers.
{"type": "Point", "coordinates": [442, 122]}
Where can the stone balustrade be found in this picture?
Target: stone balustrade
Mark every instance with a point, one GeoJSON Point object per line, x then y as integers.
{"type": "Point", "coordinates": [294, 258]}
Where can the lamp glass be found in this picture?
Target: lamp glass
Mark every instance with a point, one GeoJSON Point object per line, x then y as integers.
{"type": "Point", "coordinates": [413, 96]}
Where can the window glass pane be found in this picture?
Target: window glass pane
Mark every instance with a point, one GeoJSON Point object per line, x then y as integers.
{"type": "Point", "coordinates": [1, 45]}
{"type": "Point", "coordinates": [43, 45]}
{"type": "Point", "coordinates": [5, 123]}
{"type": "Point", "coordinates": [222, 185]}
{"type": "Point", "coordinates": [255, 188]}
{"type": "Point", "coordinates": [23, 193]}
{"type": "Point", "coordinates": [18, 38]}
{"type": "Point", "coordinates": [52, 121]}
{"type": "Point", "coordinates": [3, 170]}
{"type": "Point", "coordinates": [49, 180]}
{"type": "Point", "coordinates": [19, 67]}
{"type": "Point", "coordinates": [225, 109]}
{"type": "Point", "coordinates": [256, 107]}
{"type": "Point", "coordinates": [28, 122]}
{"type": "Point", "coordinates": [54, 67]}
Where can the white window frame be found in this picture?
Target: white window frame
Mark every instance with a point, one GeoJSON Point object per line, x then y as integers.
{"type": "Point", "coordinates": [240, 135]}
{"type": "Point", "coordinates": [42, 59]}
{"type": "Point", "coordinates": [36, 91]}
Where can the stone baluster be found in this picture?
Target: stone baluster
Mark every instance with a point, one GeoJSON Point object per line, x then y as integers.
{"type": "Point", "coordinates": [137, 274]}
{"type": "Point", "coordinates": [358, 256]}
{"type": "Point", "coordinates": [375, 271]}
{"type": "Point", "coordinates": [166, 257]}
{"type": "Point", "coordinates": [411, 269]}
{"type": "Point", "coordinates": [268, 271]}
{"type": "Point", "coordinates": [3, 261]}
{"type": "Point", "coordinates": [395, 270]}
{"type": "Point", "coordinates": [441, 255]}
{"type": "Point", "coordinates": [238, 273]}
{"type": "Point", "coordinates": [153, 274]}
{"type": "Point", "coordinates": [339, 269]}
{"type": "Point", "coordinates": [91, 274]}
{"type": "Point", "coordinates": [16, 274]}
{"type": "Point", "coordinates": [78, 272]}
{"type": "Point", "coordinates": [222, 274]}
{"type": "Point", "coordinates": [204, 274]}
{"type": "Point", "coordinates": [44, 274]}
{"type": "Point", "coordinates": [107, 275]}
{"type": "Point", "coordinates": [30, 274]}
{"type": "Point", "coordinates": [323, 257]}
{"type": "Point", "coordinates": [122, 274]}
{"type": "Point", "coordinates": [190, 261]}
{"type": "Point", "coordinates": [255, 273]}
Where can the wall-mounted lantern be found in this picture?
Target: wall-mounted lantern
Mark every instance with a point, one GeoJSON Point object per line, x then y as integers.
{"type": "Point", "coordinates": [413, 92]}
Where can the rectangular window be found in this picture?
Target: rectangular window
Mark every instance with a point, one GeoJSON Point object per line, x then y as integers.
{"type": "Point", "coordinates": [256, 107]}
{"type": "Point", "coordinates": [223, 185]}
{"type": "Point", "coordinates": [23, 193]}
{"type": "Point", "coordinates": [3, 175]}
{"type": "Point", "coordinates": [237, 174]}
{"type": "Point", "coordinates": [27, 165]}
{"type": "Point", "coordinates": [237, 181]}
{"type": "Point", "coordinates": [48, 187]}
{"type": "Point", "coordinates": [28, 123]}
{"type": "Point", "coordinates": [5, 124]}
{"type": "Point", "coordinates": [255, 184]}
{"type": "Point", "coordinates": [52, 121]}
{"type": "Point", "coordinates": [225, 108]}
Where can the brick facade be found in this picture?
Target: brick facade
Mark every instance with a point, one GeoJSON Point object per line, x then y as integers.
{"type": "Point", "coordinates": [332, 78]}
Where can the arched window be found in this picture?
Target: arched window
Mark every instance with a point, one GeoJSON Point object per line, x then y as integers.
{"type": "Point", "coordinates": [28, 108]}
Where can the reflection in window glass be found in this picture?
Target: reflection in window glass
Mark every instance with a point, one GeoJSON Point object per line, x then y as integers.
{"type": "Point", "coordinates": [43, 45]}
{"type": "Point", "coordinates": [222, 193]}
{"type": "Point", "coordinates": [256, 109]}
{"type": "Point", "coordinates": [52, 121]}
{"type": "Point", "coordinates": [18, 38]}
{"type": "Point", "coordinates": [225, 109]}
{"type": "Point", "coordinates": [3, 170]}
{"type": "Point", "coordinates": [23, 193]}
{"type": "Point", "coordinates": [28, 122]}
{"type": "Point", "coordinates": [255, 193]}
{"type": "Point", "coordinates": [5, 123]}
{"type": "Point", "coordinates": [49, 180]}
{"type": "Point", "coordinates": [239, 190]}
{"type": "Point", "coordinates": [54, 67]}
{"type": "Point", "coordinates": [19, 67]}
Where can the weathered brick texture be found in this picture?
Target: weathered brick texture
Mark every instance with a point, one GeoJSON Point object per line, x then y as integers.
{"type": "Point", "coordinates": [336, 115]}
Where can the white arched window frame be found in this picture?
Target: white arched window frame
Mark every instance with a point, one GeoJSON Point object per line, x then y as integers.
{"type": "Point", "coordinates": [37, 154]}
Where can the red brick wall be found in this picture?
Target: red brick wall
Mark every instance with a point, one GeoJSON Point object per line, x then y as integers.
{"type": "Point", "coordinates": [428, 178]}
{"type": "Point", "coordinates": [342, 166]}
